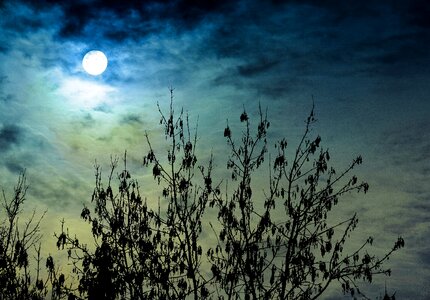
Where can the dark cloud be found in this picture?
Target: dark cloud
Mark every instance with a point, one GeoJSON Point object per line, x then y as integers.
{"type": "Point", "coordinates": [131, 119]}
{"type": "Point", "coordinates": [58, 192]}
{"type": "Point", "coordinates": [411, 141]}
{"type": "Point", "coordinates": [413, 12]}
{"type": "Point", "coordinates": [87, 121]}
{"type": "Point", "coordinates": [260, 66]}
{"type": "Point", "coordinates": [6, 98]}
{"type": "Point", "coordinates": [191, 11]}
{"type": "Point", "coordinates": [140, 16]}
{"type": "Point", "coordinates": [295, 38]}
{"type": "Point", "coordinates": [14, 166]}
{"type": "Point", "coordinates": [424, 256]}
{"type": "Point", "coordinates": [10, 135]}
{"type": "Point", "coordinates": [397, 55]}
{"type": "Point", "coordinates": [311, 39]}
{"type": "Point", "coordinates": [407, 147]}
{"type": "Point", "coordinates": [418, 12]}
{"type": "Point", "coordinates": [103, 108]}
{"type": "Point", "coordinates": [29, 20]}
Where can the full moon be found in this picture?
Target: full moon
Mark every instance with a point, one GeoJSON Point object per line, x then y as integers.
{"type": "Point", "coordinates": [94, 62]}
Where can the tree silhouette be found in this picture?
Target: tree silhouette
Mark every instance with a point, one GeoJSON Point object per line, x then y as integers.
{"type": "Point", "coordinates": [285, 248]}
{"type": "Point", "coordinates": [142, 253]}
{"type": "Point", "coordinates": [15, 243]}
{"type": "Point", "coordinates": [297, 255]}
{"type": "Point", "coordinates": [18, 241]}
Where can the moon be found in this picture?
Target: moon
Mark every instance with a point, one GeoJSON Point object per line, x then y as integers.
{"type": "Point", "coordinates": [94, 62]}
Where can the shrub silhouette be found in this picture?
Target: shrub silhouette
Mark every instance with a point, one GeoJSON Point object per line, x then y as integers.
{"type": "Point", "coordinates": [257, 253]}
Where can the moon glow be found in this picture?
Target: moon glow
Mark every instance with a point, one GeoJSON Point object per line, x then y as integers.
{"type": "Point", "coordinates": [94, 62]}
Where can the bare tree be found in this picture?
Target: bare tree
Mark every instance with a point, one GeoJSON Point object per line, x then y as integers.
{"type": "Point", "coordinates": [141, 253]}
{"type": "Point", "coordinates": [19, 241]}
{"type": "Point", "coordinates": [298, 255]}
{"type": "Point", "coordinates": [124, 252]}
{"type": "Point", "coordinates": [279, 246]}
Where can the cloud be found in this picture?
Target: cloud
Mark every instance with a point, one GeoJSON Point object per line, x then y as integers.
{"type": "Point", "coordinates": [412, 141]}
{"type": "Point", "coordinates": [400, 187]}
{"type": "Point", "coordinates": [129, 19]}
{"type": "Point", "coordinates": [316, 44]}
{"type": "Point", "coordinates": [84, 93]}
{"type": "Point", "coordinates": [302, 41]}
{"type": "Point", "coordinates": [14, 166]}
{"type": "Point", "coordinates": [10, 135]}
{"type": "Point", "coordinates": [260, 66]}
{"type": "Point", "coordinates": [417, 12]}
{"type": "Point", "coordinates": [131, 118]}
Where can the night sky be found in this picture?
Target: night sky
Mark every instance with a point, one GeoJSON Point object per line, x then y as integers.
{"type": "Point", "coordinates": [366, 67]}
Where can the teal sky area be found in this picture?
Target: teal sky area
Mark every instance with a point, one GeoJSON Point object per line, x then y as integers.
{"type": "Point", "coordinates": [366, 67]}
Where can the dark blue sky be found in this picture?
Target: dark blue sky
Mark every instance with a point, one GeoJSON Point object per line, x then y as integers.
{"type": "Point", "coordinates": [366, 65]}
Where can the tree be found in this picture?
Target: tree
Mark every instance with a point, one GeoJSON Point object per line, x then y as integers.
{"type": "Point", "coordinates": [14, 246]}
{"type": "Point", "coordinates": [141, 252]}
{"type": "Point", "coordinates": [18, 241]}
{"type": "Point", "coordinates": [297, 255]}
